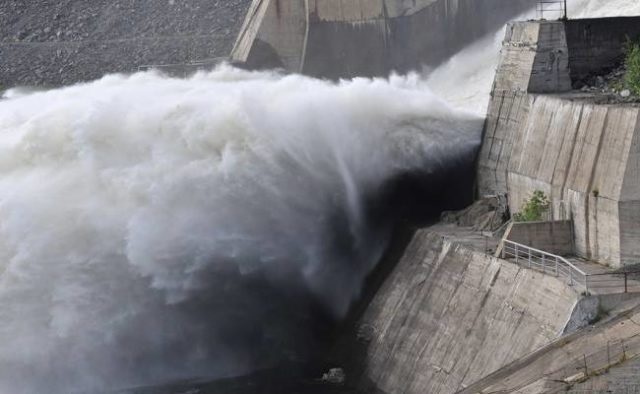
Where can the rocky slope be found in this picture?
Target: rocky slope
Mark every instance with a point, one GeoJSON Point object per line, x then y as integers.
{"type": "Point", "coordinates": [45, 42]}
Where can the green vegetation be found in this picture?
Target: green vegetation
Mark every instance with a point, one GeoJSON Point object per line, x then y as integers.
{"type": "Point", "coordinates": [534, 208]}
{"type": "Point", "coordinates": [632, 62]}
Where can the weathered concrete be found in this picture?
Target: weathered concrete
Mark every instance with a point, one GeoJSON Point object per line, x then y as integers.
{"type": "Point", "coordinates": [597, 45]}
{"type": "Point", "coordinates": [551, 56]}
{"type": "Point", "coordinates": [448, 315]}
{"type": "Point", "coordinates": [344, 38]}
{"type": "Point", "coordinates": [583, 155]}
{"type": "Point", "coordinates": [534, 59]}
{"type": "Point", "coordinates": [553, 237]}
{"type": "Point", "coordinates": [620, 378]}
{"type": "Point", "coordinates": [578, 361]}
{"type": "Point", "coordinates": [274, 34]}
{"type": "Point", "coordinates": [576, 152]}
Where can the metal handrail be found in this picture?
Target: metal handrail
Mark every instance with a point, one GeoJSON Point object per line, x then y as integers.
{"type": "Point", "coordinates": [567, 262]}
{"type": "Point", "coordinates": [543, 6]}
{"type": "Point", "coordinates": [550, 263]}
{"type": "Point", "coordinates": [557, 264]}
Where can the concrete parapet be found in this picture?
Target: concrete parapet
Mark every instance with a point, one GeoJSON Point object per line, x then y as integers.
{"type": "Point", "coordinates": [552, 237]}
{"type": "Point", "coordinates": [534, 58]}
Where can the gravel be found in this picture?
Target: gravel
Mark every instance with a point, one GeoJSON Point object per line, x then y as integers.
{"type": "Point", "coordinates": [52, 43]}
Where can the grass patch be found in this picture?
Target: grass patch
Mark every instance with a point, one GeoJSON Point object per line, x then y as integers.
{"type": "Point", "coordinates": [632, 62]}
{"type": "Point", "coordinates": [534, 208]}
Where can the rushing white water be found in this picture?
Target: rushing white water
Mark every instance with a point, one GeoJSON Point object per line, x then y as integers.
{"type": "Point", "coordinates": [465, 80]}
{"type": "Point", "coordinates": [133, 208]}
{"type": "Point", "coordinates": [602, 8]}
{"type": "Point", "coordinates": [153, 228]}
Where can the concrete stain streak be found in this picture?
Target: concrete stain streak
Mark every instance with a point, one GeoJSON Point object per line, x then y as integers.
{"type": "Point", "coordinates": [590, 250]}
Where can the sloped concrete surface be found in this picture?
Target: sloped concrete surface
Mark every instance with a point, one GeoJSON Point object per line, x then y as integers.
{"type": "Point", "coordinates": [603, 357]}
{"type": "Point", "coordinates": [449, 315]}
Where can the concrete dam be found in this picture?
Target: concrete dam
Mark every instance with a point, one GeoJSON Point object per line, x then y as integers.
{"type": "Point", "coordinates": [251, 217]}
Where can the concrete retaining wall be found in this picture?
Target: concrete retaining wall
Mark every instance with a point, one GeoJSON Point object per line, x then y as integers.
{"type": "Point", "coordinates": [507, 111]}
{"type": "Point", "coordinates": [447, 316]}
{"type": "Point", "coordinates": [578, 152]}
{"type": "Point", "coordinates": [534, 59]}
{"type": "Point", "coordinates": [345, 38]}
{"type": "Point", "coordinates": [597, 45]}
{"type": "Point", "coordinates": [553, 237]}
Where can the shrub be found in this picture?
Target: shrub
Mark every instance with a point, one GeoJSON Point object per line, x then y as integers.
{"type": "Point", "coordinates": [632, 77]}
{"type": "Point", "coordinates": [534, 208]}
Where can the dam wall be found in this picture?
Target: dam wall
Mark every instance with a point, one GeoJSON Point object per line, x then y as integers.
{"type": "Point", "coordinates": [580, 150]}
{"type": "Point", "coordinates": [448, 315]}
{"type": "Point", "coordinates": [343, 38]}
{"type": "Point", "coordinates": [450, 318]}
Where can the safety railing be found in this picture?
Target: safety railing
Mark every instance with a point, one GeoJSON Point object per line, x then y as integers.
{"type": "Point", "coordinates": [615, 282]}
{"type": "Point", "coordinates": [556, 9]}
{"type": "Point", "coordinates": [546, 262]}
{"type": "Point", "coordinates": [551, 264]}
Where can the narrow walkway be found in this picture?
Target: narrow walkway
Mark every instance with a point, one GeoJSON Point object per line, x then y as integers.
{"type": "Point", "coordinates": [467, 236]}
{"type": "Point", "coordinates": [589, 267]}
{"type": "Point", "coordinates": [597, 279]}
{"type": "Point", "coordinates": [605, 280]}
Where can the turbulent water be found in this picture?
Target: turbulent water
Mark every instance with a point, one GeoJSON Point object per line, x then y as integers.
{"type": "Point", "coordinates": [154, 228]}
